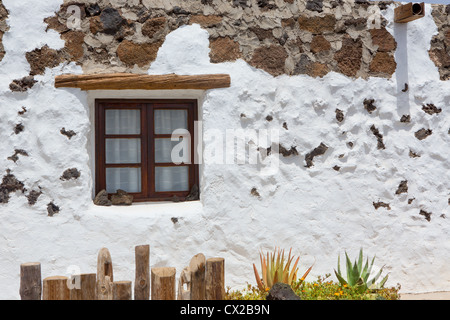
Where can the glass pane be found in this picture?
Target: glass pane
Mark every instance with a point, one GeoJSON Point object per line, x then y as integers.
{"type": "Point", "coordinates": [164, 148]}
{"type": "Point", "coordinates": [167, 121]}
{"type": "Point", "coordinates": [123, 121]}
{"type": "Point", "coordinates": [171, 179]}
{"type": "Point", "coordinates": [127, 179]}
{"type": "Point", "coordinates": [123, 151]}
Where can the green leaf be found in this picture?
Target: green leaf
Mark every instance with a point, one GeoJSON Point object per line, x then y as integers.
{"type": "Point", "coordinates": [349, 269]}
{"type": "Point", "coordinates": [383, 281]}
{"type": "Point", "coordinates": [341, 280]}
{"type": "Point", "coordinates": [360, 260]}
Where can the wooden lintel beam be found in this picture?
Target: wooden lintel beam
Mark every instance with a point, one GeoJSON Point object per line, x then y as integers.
{"type": "Point", "coordinates": [124, 81]}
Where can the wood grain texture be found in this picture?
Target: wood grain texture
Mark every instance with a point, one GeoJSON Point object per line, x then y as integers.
{"type": "Point", "coordinates": [197, 267]}
{"type": "Point", "coordinates": [163, 283]}
{"type": "Point", "coordinates": [30, 281]}
{"type": "Point", "coordinates": [127, 81]}
{"type": "Point", "coordinates": [215, 279]}
{"type": "Point", "coordinates": [409, 12]}
{"type": "Point", "coordinates": [105, 277]}
{"type": "Point", "coordinates": [83, 287]}
{"type": "Point", "coordinates": [122, 290]}
{"type": "Point", "coordinates": [55, 288]}
{"type": "Point", "coordinates": [142, 280]}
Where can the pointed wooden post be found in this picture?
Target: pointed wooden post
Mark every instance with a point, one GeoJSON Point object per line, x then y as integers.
{"type": "Point", "coordinates": [121, 290]}
{"type": "Point", "coordinates": [197, 267]}
{"type": "Point", "coordinates": [163, 283]}
{"type": "Point", "coordinates": [30, 281]}
{"type": "Point", "coordinates": [83, 287]}
{"type": "Point", "coordinates": [104, 275]}
{"type": "Point", "coordinates": [142, 281]}
{"type": "Point", "coordinates": [55, 288]}
{"type": "Point", "coordinates": [215, 279]}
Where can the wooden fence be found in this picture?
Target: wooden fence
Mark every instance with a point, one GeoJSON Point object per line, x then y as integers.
{"type": "Point", "coordinates": [203, 279]}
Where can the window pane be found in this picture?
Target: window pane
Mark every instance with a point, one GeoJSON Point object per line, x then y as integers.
{"type": "Point", "coordinates": [171, 179]}
{"type": "Point", "coordinates": [123, 121]}
{"type": "Point", "coordinates": [123, 151]}
{"type": "Point", "coordinates": [164, 148]}
{"type": "Point", "coordinates": [167, 121]}
{"type": "Point", "coordinates": [127, 179]}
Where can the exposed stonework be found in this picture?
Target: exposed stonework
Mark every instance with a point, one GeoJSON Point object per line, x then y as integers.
{"type": "Point", "coordinates": [131, 53]}
{"type": "Point", "coordinates": [440, 43]}
{"type": "Point", "coordinates": [276, 37]}
{"type": "Point", "coordinates": [270, 58]}
{"type": "Point", "coordinates": [22, 85]}
{"type": "Point", "coordinates": [70, 174]}
{"type": "Point", "coordinates": [42, 58]}
{"type": "Point", "coordinates": [423, 133]}
{"type": "Point", "coordinates": [349, 57]}
{"type": "Point", "coordinates": [320, 150]}
{"type": "Point", "coordinates": [3, 27]}
{"type": "Point", "coordinates": [224, 49]}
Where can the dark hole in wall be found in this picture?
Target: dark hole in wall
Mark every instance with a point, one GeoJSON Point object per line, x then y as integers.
{"type": "Point", "coordinates": [423, 133]}
{"type": "Point", "coordinates": [19, 128]}
{"type": "Point", "coordinates": [402, 188]}
{"type": "Point", "coordinates": [339, 115]}
{"type": "Point", "coordinates": [17, 152]}
{"type": "Point", "coordinates": [9, 184]}
{"type": "Point", "coordinates": [381, 204]}
{"type": "Point", "coordinates": [33, 197]}
{"type": "Point", "coordinates": [72, 173]}
{"type": "Point", "coordinates": [320, 150]}
{"type": "Point", "coordinates": [426, 214]}
{"type": "Point", "coordinates": [369, 105]}
{"type": "Point", "coordinates": [286, 153]}
{"type": "Point", "coordinates": [376, 133]}
{"type": "Point", "coordinates": [22, 85]}
{"type": "Point", "coordinates": [52, 209]}
{"type": "Point", "coordinates": [431, 109]}
{"type": "Point", "coordinates": [69, 134]}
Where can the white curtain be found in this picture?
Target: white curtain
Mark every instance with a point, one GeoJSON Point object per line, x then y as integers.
{"type": "Point", "coordinates": [167, 121]}
{"type": "Point", "coordinates": [124, 150]}
{"type": "Point", "coordinates": [127, 179]}
{"type": "Point", "coordinates": [123, 121]}
{"type": "Point", "coordinates": [171, 179]}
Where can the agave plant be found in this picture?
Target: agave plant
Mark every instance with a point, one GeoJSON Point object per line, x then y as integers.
{"type": "Point", "coordinates": [275, 268]}
{"type": "Point", "coordinates": [357, 276]}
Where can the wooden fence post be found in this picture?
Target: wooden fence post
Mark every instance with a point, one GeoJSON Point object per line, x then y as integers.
{"type": "Point", "coordinates": [104, 275]}
{"type": "Point", "coordinates": [215, 279]}
{"type": "Point", "coordinates": [84, 288]}
{"type": "Point", "coordinates": [197, 267]}
{"type": "Point", "coordinates": [185, 279]}
{"type": "Point", "coordinates": [142, 281]}
{"type": "Point", "coordinates": [55, 288]}
{"type": "Point", "coordinates": [163, 283]}
{"type": "Point", "coordinates": [30, 281]}
{"type": "Point", "coordinates": [121, 290]}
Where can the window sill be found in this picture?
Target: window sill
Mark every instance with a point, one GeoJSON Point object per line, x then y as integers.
{"type": "Point", "coordinates": [148, 210]}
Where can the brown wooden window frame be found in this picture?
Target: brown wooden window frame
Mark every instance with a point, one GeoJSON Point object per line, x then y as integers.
{"type": "Point", "coordinates": [147, 136]}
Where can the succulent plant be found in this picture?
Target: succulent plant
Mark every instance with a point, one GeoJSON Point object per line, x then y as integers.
{"type": "Point", "coordinates": [275, 268]}
{"type": "Point", "coordinates": [357, 276]}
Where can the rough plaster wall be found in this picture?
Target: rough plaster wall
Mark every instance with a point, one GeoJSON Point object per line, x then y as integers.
{"type": "Point", "coordinates": [353, 195]}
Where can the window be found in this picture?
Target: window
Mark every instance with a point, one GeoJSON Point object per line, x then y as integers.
{"type": "Point", "coordinates": [134, 148]}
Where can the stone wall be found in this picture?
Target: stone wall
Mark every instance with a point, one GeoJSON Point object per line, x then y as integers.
{"type": "Point", "coordinates": [440, 44]}
{"type": "Point", "coordinates": [281, 37]}
{"type": "Point", "coordinates": [3, 27]}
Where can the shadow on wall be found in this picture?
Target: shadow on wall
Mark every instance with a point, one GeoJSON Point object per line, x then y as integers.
{"type": "Point", "coordinates": [401, 57]}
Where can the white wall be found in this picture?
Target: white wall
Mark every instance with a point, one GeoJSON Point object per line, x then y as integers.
{"type": "Point", "coordinates": [317, 211]}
